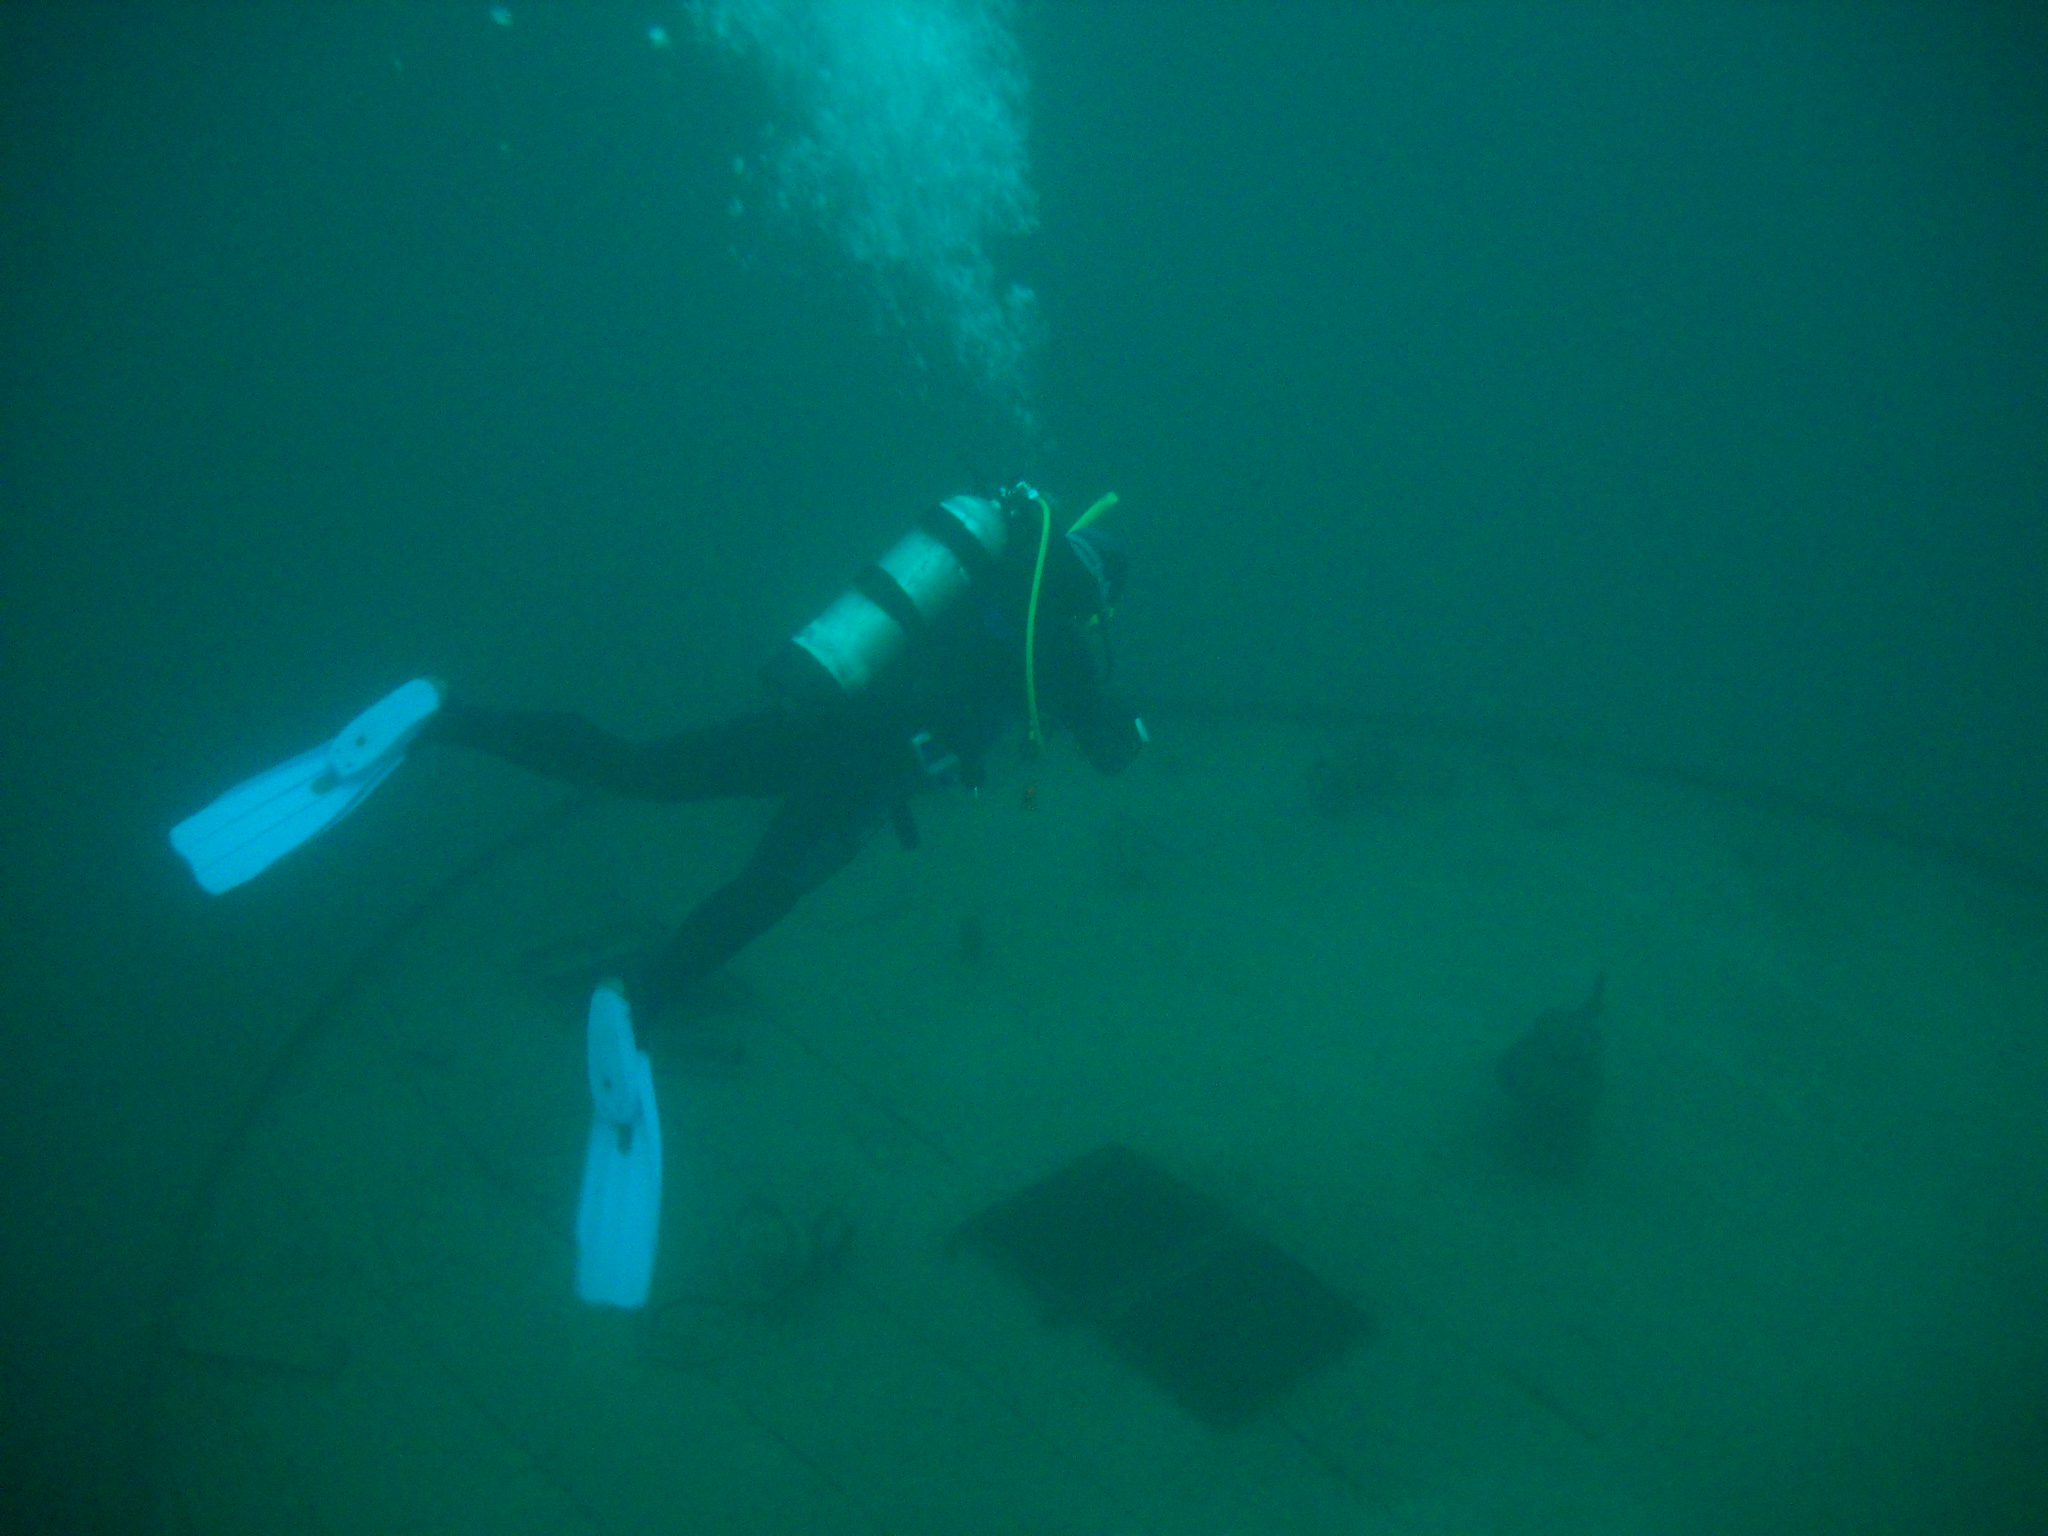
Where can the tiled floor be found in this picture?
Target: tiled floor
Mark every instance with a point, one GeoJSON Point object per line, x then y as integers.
{"type": "Point", "coordinates": [1785, 1288]}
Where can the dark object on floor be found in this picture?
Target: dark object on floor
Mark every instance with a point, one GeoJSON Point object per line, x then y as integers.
{"type": "Point", "coordinates": [778, 1266]}
{"type": "Point", "coordinates": [772, 1270]}
{"type": "Point", "coordinates": [1220, 1318]}
{"type": "Point", "coordinates": [1552, 1078]}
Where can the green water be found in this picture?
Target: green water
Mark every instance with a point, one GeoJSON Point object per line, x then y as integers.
{"type": "Point", "coordinates": [1670, 380]}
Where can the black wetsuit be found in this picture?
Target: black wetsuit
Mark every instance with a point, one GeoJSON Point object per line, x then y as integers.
{"type": "Point", "coordinates": [839, 774]}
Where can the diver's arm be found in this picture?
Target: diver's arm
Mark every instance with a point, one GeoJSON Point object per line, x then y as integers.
{"type": "Point", "coordinates": [1109, 734]}
{"type": "Point", "coordinates": [1110, 738]}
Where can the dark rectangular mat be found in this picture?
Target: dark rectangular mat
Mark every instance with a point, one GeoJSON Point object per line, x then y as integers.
{"type": "Point", "coordinates": [1220, 1318]}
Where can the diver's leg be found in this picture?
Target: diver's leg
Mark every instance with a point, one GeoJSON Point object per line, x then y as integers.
{"type": "Point", "coordinates": [751, 755]}
{"type": "Point", "coordinates": [719, 927]}
{"type": "Point", "coordinates": [815, 835]}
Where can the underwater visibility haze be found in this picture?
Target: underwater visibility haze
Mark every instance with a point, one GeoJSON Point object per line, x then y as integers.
{"type": "Point", "coordinates": [1572, 951]}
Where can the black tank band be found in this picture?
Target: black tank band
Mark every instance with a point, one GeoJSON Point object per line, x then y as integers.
{"type": "Point", "coordinates": [960, 543]}
{"type": "Point", "coordinates": [881, 589]}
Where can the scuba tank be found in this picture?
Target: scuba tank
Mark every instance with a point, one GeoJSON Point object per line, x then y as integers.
{"type": "Point", "coordinates": [838, 654]}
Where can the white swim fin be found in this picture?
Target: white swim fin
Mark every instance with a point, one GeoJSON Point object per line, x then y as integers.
{"type": "Point", "coordinates": [257, 823]}
{"type": "Point", "coordinates": [618, 1220]}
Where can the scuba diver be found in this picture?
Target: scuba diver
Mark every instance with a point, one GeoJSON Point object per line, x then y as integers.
{"type": "Point", "coordinates": [901, 686]}
{"type": "Point", "coordinates": [981, 614]}
{"type": "Point", "coordinates": [977, 616]}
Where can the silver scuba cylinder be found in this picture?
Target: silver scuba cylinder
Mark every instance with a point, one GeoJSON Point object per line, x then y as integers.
{"type": "Point", "coordinates": [840, 652]}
